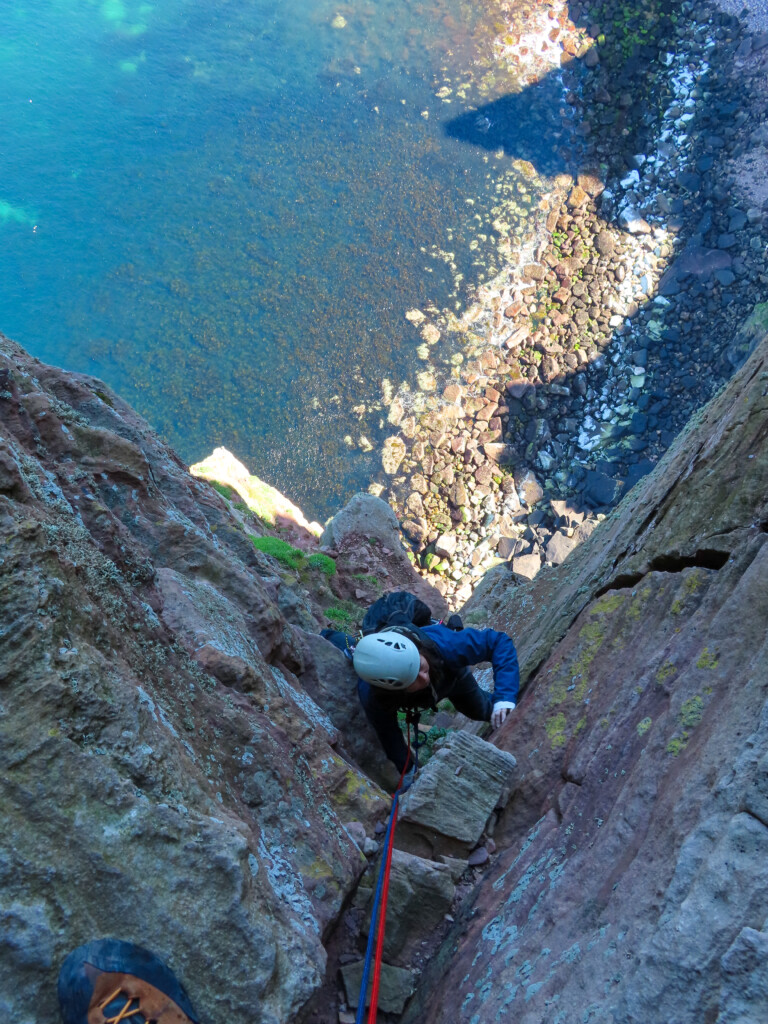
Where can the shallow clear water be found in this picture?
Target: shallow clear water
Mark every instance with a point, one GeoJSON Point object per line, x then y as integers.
{"type": "Point", "coordinates": [218, 206]}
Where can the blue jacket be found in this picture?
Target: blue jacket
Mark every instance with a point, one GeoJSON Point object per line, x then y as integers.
{"type": "Point", "coordinates": [465, 647]}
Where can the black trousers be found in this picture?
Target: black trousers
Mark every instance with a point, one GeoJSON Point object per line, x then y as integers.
{"type": "Point", "coordinates": [381, 707]}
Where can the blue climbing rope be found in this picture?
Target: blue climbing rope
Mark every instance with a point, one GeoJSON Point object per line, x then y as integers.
{"type": "Point", "coordinates": [383, 874]}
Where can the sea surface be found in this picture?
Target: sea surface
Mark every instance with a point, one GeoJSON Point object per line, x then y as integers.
{"type": "Point", "coordinates": [224, 209]}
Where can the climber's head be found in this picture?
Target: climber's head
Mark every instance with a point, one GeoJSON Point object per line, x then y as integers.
{"type": "Point", "coordinates": [392, 661]}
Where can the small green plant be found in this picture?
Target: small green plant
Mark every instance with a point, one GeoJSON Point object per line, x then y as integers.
{"type": "Point", "coordinates": [224, 491]}
{"type": "Point", "coordinates": [644, 726]}
{"type": "Point", "coordinates": [284, 552]}
{"type": "Point", "coordinates": [369, 578]}
{"type": "Point", "coordinates": [345, 616]}
{"type": "Point", "coordinates": [322, 563]}
{"type": "Point", "coordinates": [428, 742]}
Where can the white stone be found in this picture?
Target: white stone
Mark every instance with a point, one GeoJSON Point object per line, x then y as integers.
{"type": "Point", "coordinates": [445, 546]}
{"type": "Point", "coordinates": [633, 178]}
{"type": "Point", "coordinates": [415, 316]}
{"type": "Point", "coordinates": [392, 454]}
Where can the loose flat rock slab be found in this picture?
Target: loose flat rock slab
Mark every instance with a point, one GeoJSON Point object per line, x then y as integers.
{"type": "Point", "coordinates": [397, 985]}
{"type": "Point", "coordinates": [498, 452]}
{"type": "Point", "coordinates": [559, 548]}
{"type": "Point", "coordinates": [633, 222]}
{"type": "Point", "coordinates": [447, 808]}
{"type": "Point", "coordinates": [526, 566]}
{"type": "Point", "coordinates": [599, 489]}
{"type": "Point", "coordinates": [420, 895]}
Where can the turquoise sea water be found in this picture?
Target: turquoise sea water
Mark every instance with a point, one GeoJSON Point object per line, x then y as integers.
{"type": "Point", "coordinates": [219, 207]}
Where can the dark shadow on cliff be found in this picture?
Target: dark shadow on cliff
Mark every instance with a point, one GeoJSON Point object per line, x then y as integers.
{"type": "Point", "coordinates": [526, 126]}
{"type": "Point", "coordinates": [540, 125]}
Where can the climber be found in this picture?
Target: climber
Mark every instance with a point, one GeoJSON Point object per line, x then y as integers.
{"type": "Point", "coordinates": [406, 667]}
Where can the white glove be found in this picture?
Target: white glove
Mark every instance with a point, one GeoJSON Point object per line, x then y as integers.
{"type": "Point", "coordinates": [500, 711]}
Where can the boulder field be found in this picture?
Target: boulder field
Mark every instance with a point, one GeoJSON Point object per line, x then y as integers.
{"type": "Point", "coordinates": [183, 762]}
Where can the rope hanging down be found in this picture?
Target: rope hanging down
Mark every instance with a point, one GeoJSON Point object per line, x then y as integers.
{"type": "Point", "coordinates": [382, 889]}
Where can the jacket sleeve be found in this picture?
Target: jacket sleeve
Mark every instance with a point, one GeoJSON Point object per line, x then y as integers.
{"type": "Point", "coordinates": [471, 646]}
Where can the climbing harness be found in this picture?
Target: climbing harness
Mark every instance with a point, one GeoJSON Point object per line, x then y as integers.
{"type": "Point", "coordinates": [379, 913]}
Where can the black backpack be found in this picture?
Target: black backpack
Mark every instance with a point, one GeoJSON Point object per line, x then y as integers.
{"type": "Point", "coordinates": [396, 609]}
{"type": "Point", "coordinates": [401, 608]}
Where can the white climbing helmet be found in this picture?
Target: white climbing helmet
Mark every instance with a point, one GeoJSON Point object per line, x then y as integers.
{"type": "Point", "coordinates": [387, 659]}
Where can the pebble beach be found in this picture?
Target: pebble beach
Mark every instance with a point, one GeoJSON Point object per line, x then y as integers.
{"type": "Point", "coordinates": [599, 337]}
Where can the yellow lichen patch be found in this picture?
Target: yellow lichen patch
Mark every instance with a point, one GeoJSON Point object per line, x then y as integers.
{"type": "Point", "coordinates": [316, 870]}
{"type": "Point", "coordinates": [610, 602]}
{"type": "Point", "coordinates": [707, 659]}
{"type": "Point", "coordinates": [555, 728]}
{"type": "Point", "coordinates": [690, 585]}
{"type": "Point", "coordinates": [639, 603]}
{"type": "Point", "coordinates": [666, 672]}
{"type": "Point", "coordinates": [677, 744]}
{"type": "Point", "coordinates": [692, 712]}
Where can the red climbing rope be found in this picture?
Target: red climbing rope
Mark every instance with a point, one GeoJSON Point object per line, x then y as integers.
{"type": "Point", "coordinates": [382, 922]}
{"type": "Point", "coordinates": [380, 907]}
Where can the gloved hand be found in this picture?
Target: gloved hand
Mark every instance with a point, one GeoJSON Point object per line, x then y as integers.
{"type": "Point", "coordinates": [408, 778]}
{"type": "Point", "coordinates": [500, 711]}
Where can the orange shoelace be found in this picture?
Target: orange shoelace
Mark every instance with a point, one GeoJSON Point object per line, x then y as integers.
{"type": "Point", "coordinates": [127, 1011]}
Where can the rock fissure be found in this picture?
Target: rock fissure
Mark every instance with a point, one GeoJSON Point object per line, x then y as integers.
{"type": "Point", "coordinates": [706, 558]}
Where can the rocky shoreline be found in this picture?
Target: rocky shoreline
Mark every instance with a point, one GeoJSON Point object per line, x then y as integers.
{"type": "Point", "coordinates": [587, 360]}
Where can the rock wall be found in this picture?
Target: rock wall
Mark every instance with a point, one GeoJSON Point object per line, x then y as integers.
{"type": "Point", "coordinates": [164, 775]}
{"type": "Point", "coordinates": [180, 757]}
{"type": "Point", "coordinates": [630, 885]}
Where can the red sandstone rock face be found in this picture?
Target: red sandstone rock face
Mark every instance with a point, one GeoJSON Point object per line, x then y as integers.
{"type": "Point", "coordinates": [630, 883]}
{"type": "Point", "coordinates": [164, 776]}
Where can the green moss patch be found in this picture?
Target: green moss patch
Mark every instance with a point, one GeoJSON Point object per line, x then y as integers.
{"type": "Point", "coordinates": [322, 563]}
{"type": "Point", "coordinates": [281, 550]}
{"type": "Point", "coordinates": [223, 490]}
{"type": "Point", "coordinates": [644, 726]}
{"type": "Point", "coordinates": [677, 744]}
{"type": "Point", "coordinates": [610, 602]}
{"type": "Point", "coordinates": [345, 615]}
{"type": "Point", "coordinates": [666, 672]}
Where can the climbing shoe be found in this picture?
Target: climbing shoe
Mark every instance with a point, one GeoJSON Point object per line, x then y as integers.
{"type": "Point", "coordinates": [111, 982]}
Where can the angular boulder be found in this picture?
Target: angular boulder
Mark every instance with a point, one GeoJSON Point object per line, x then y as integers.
{"type": "Point", "coordinates": [447, 808]}
{"type": "Point", "coordinates": [420, 895]}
